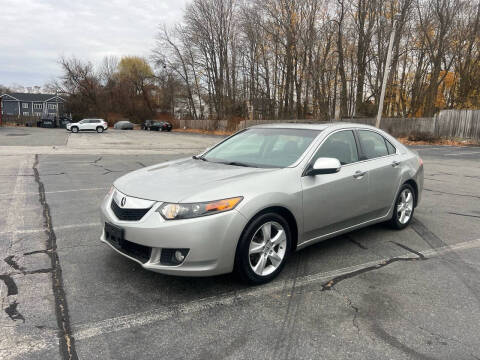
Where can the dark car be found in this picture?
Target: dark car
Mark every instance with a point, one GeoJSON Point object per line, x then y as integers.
{"type": "Point", "coordinates": [46, 123]}
{"type": "Point", "coordinates": [160, 126]}
{"type": "Point", "coordinates": [63, 121]}
{"type": "Point", "coordinates": [146, 125]}
{"type": "Point", "coordinates": [166, 126]}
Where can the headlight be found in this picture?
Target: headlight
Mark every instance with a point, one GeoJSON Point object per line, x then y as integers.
{"type": "Point", "coordinates": [187, 211]}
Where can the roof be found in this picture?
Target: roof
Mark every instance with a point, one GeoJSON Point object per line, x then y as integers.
{"type": "Point", "coordinates": [312, 126]}
{"type": "Point", "coordinates": [29, 97]}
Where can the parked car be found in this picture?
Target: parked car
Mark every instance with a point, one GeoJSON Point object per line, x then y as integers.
{"type": "Point", "coordinates": [123, 125]}
{"type": "Point", "coordinates": [46, 123]}
{"type": "Point", "coordinates": [166, 126]}
{"type": "Point", "coordinates": [98, 125]}
{"type": "Point", "coordinates": [146, 124]}
{"type": "Point", "coordinates": [63, 122]}
{"type": "Point", "coordinates": [160, 126]}
{"type": "Point", "coordinates": [255, 197]}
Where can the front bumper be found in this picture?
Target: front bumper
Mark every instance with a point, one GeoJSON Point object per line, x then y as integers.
{"type": "Point", "coordinates": [211, 240]}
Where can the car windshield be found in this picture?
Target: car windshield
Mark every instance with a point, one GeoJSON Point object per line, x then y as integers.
{"type": "Point", "coordinates": [267, 148]}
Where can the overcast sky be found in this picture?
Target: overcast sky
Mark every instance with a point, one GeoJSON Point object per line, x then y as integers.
{"type": "Point", "coordinates": [35, 33]}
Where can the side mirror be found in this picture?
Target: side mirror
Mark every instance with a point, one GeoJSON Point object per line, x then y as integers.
{"type": "Point", "coordinates": [324, 166]}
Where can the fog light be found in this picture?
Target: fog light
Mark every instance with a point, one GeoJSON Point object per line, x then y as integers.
{"type": "Point", "coordinates": [173, 256]}
{"type": "Point", "coordinates": [179, 256]}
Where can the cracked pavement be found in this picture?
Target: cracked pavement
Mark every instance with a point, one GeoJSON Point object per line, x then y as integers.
{"type": "Point", "coordinates": [371, 294]}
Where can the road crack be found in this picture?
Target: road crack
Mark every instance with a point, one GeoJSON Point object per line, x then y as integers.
{"type": "Point", "coordinates": [466, 215]}
{"type": "Point", "coordinates": [454, 194]}
{"type": "Point", "coordinates": [10, 260]}
{"type": "Point", "coordinates": [12, 288]}
{"type": "Point", "coordinates": [66, 340]}
{"type": "Point", "coordinates": [353, 307]}
{"type": "Point", "coordinates": [419, 254]}
{"type": "Point", "coordinates": [13, 313]}
{"type": "Point", "coordinates": [359, 244]}
{"type": "Point", "coordinates": [331, 283]}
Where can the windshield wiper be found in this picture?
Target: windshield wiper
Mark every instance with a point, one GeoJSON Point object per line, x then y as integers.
{"type": "Point", "coordinates": [237, 163]}
{"type": "Point", "coordinates": [195, 157]}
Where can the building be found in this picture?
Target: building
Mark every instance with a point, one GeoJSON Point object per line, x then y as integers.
{"type": "Point", "coordinates": [38, 105]}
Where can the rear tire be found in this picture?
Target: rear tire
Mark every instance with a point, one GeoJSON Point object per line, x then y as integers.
{"type": "Point", "coordinates": [404, 208]}
{"type": "Point", "coordinates": [263, 249]}
{"type": "Point", "coordinates": [74, 129]}
{"type": "Point", "coordinates": [99, 129]}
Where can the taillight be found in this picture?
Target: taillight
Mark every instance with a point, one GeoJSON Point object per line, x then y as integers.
{"type": "Point", "coordinates": [420, 161]}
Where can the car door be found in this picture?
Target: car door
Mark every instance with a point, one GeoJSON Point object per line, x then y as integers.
{"type": "Point", "coordinates": [332, 202]}
{"type": "Point", "coordinates": [81, 124]}
{"type": "Point", "coordinates": [382, 163]}
{"type": "Point", "coordinates": [92, 124]}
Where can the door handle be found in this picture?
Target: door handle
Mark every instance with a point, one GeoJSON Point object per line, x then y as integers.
{"type": "Point", "coordinates": [359, 174]}
{"type": "Point", "coordinates": [395, 163]}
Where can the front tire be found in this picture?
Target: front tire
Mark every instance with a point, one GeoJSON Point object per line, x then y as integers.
{"type": "Point", "coordinates": [404, 208]}
{"type": "Point", "coordinates": [263, 249]}
{"type": "Point", "coordinates": [74, 129]}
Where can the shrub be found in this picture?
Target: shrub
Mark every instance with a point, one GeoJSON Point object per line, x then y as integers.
{"type": "Point", "coordinates": [422, 136]}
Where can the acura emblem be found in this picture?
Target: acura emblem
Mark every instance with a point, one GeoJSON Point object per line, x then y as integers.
{"type": "Point", "coordinates": [124, 200]}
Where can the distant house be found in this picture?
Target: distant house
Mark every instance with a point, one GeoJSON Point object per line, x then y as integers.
{"type": "Point", "coordinates": [27, 104]}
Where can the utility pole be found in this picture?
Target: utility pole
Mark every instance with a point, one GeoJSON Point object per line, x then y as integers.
{"type": "Point", "coordinates": [386, 72]}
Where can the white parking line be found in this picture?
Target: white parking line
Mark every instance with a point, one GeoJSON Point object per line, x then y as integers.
{"type": "Point", "coordinates": [101, 327]}
{"type": "Point", "coordinates": [463, 153]}
{"type": "Point", "coordinates": [56, 191]}
{"type": "Point", "coordinates": [60, 227]}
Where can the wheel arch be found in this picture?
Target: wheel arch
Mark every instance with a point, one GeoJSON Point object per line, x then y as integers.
{"type": "Point", "coordinates": [414, 185]}
{"type": "Point", "coordinates": [287, 214]}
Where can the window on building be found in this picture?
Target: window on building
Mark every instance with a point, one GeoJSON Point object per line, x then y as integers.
{"type": "Point", "coordinates": [38, 106]}
{"type": "Point", "coordinates": [37, 114]}
{"type": "Point", "coordinates": [26, 113]}
{"type": "Point", "coordinates": [52, 106]}
{"type": "Point", "coordinates": [25, 106]}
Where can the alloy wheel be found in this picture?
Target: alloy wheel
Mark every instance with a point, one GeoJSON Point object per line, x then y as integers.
{"type": "Point", "coordinates": [267, 248]}
{"type": "Point", "coordinates": [404, 206]}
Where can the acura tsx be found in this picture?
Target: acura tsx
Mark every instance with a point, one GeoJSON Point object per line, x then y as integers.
{"type": "Point", "coordinates": [247, 203]}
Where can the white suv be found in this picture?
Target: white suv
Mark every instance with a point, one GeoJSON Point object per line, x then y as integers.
{"type": "Point", "coordinates": [99, 125]}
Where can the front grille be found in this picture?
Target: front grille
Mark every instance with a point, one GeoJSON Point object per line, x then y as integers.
{"type": "Point", "coordinates": [127, 214]}
{"type": "Point", "coordinates": [137, 251]}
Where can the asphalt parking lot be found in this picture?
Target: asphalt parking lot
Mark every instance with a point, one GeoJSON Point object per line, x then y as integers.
{"type": "Point", "coordinates": [372, 294]}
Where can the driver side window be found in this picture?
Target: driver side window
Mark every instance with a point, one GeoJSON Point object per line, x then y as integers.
{"type": "Point", "coordinates": [340, 145]}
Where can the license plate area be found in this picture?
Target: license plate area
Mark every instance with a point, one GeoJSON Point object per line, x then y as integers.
{"type": "Point", "coordinates": [114, 235]}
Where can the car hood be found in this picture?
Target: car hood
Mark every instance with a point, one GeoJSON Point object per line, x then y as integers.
{"type": "Point", "coordinates": [177, 180]}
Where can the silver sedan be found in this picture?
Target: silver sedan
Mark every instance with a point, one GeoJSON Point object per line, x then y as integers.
{"type": "Point", "coordinates": [247, 203]}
